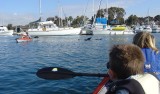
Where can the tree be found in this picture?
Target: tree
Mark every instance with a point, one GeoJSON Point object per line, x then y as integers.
{"type": "Point", "coordinates": [100, 13]}
{"type": "Point", "coordinates": [132, 19]}
{"type": "Point", "coordinates": [114, 13]}
{"type": "Point", "coordinates": [70, 19]}
{"type": "Point", "coordinates": [9, 26]}
{"type": "Point", "coordinates": [79, 21]}
{"type": "Point", "coordinates": [157, 18]}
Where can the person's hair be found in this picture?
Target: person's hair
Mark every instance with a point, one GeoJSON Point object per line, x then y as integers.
{"type": "Point", "coordinates": [126, 60]}
{"type": "Point", "coordinates": [145, 40]}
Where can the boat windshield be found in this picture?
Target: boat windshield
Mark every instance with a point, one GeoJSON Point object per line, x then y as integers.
{"type": "Point", "coordinates": [1, 29]}
{"type": "Point", "coordinates": [33, 25]}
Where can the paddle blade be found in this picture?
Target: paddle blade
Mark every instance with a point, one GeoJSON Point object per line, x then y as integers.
{"type": "Point", "coordinates": [54, 73]}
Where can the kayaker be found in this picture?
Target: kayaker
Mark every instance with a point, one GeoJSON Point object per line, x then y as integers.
{"type": "Point", "coordinates": [28, 35]}
{"type": "Point", "coordinates": [146, 42]}
{"type": "Point", "coordinates": [125, 69]}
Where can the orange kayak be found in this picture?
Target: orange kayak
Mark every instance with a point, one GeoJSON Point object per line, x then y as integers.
{"type": "Point", "coordinates": [101, 89]}
{"type": "Point", "coordinates": [24, 39]}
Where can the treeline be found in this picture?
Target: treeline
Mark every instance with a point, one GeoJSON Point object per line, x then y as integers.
{"type": "Point", "coordinates": [69, 21]}
{"type": "Point", "coordinates": [115, 15]}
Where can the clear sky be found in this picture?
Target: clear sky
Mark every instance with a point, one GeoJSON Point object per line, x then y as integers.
{"type": "Point", "coordinates": [21, 12]}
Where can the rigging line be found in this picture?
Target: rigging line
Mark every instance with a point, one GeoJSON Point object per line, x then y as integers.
{"type": "Point", "coordinates": [96, 13]}
{"type": "Point", "coordinates": [85, 12]}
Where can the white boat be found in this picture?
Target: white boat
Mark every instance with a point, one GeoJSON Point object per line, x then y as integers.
{"type": "Point", "coordinates": [138, 29]}
{"type": "Point", "coordinates": [155, 29]}
{"type": "Point", "coordinates": [100, 27]}
{"type": "Point", "coordinates": [48, 28]}
{"type": "Point", "coordinates": [147, 28]}
{"type": "Point", "coordinates": [86, 30]}
{"type": "Point", "coordinates": [116, 30]}
{"type": "Point", "coordinates": [4, 31]}
{"type": "Point", "coordinates": [144, 28]}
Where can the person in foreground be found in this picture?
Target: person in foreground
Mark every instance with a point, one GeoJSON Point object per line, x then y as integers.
{"type": "Point", "coordinates": [146, 42]}
{"type": "Point", "coordinates": [125, 69]}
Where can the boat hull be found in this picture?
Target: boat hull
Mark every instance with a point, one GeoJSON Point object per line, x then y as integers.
{"type": "Point", "coordinates": [107, 32]}
{"type": "Point", "coordinates": [23, 39]}
{"type": "Point", "coordinates": [5, 33]}
{"type": "Point", "coordinates": [62, 32]}
{"type": "Point", "coordinates": [100, 89]}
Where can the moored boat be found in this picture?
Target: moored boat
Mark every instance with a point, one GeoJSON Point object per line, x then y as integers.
{"type": "Point", "coordinates": [4, 31]}
{"type": "Point", "coordinates": [119, 28]}
{"type": "Point", "coordinates": [48, 28]}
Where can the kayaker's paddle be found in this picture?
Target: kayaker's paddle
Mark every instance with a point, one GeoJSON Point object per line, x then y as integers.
{"type": "Point", "coordinates": [56, 73]}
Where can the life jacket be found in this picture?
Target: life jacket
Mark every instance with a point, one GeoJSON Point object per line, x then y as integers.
{"type": "Point", "coordinates": [131, 85]}
{"type": "Point", "coordinates": [149, 82]}
{"type": "Point", "coordinates": [152, 61]}
{"type": "Point", "coordinates": [137, 84]}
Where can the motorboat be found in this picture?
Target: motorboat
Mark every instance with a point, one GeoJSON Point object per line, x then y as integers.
{"type": "Point", "coordinates": [155, 29]}
{"type": "Point", "coordinates": [147, 28]}
{"type": "Point", "coordinates": [24, 38]}
{"type": "Point", "coordinates": [138, 29]}
{"type": "Point", "coordinates": [143, 28]}
{"type": "Point", "coordinates": [119, 28]}
{"type": "Point", "coordinates": [4, 31]}
{"type": "Point", "coordinates": [107, 31]}
{"type": "Point", "coordinates": [101, 27]}
{"type": "Point", "coordinates": [48, 28]}
{"type": "Point", "coordinates": [86, 30]}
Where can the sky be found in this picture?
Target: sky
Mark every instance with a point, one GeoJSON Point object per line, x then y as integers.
{"type": "Point", "coordinates": [22, 12]}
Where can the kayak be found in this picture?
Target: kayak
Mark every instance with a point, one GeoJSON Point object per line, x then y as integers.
{"type": "Point", "coordinates": [24, 39]}
{"type": "Point", "coordinates": [101, 89]}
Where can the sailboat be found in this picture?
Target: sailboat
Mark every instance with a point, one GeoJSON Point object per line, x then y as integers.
{"type": "Point", "coordinates": [100, 26]}
{"type": "Point", "coordinates": [48, 28]}
{"type": "Point", "coordinates": [144, 28]}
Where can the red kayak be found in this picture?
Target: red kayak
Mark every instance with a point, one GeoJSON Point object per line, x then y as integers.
{"type": "Point", "coordinates": [24, 38]}
{"type": "Point", "coordinates": [101, 89]}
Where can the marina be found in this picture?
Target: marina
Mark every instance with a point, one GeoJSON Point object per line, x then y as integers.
{"type": "Point", "coordinates": [62, 47]}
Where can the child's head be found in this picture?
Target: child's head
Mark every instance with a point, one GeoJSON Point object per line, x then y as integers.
{"type": "Point", "coordinates": [125, 60]}
{"type": "Point", "coordinates": [145, 40]}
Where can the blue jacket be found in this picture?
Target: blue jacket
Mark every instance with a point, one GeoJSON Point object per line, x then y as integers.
{"type": "Point", "coordinates": [152, 61]}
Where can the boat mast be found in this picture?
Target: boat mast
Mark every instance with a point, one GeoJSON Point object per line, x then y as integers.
{"type": "Point", "coordinates": [40, 12]}
{"type": "Point", "coordinates": [93, 7]}
{"type": "Point", "coordinates": [59, 21]}
{"type": "Point", "coordinates": [107, 11]}
{"type": "Point", "coordinates": [85, 9]}
{"type": "Point", "coordinates": [148, 16]}
{"type": "Point", "coordinates": [96, 13]}
{"type": "Point", "coordinates": [61, 16]}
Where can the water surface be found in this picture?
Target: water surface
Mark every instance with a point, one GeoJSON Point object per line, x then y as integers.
{"type": "Point", "coordinates": [20, 61]}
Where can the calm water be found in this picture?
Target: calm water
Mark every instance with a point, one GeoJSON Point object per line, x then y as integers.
{"type": "Point", "coordinates": [20, 61]}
